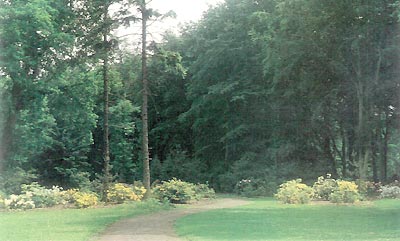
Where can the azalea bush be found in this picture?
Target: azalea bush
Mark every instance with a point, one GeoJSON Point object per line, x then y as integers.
{"type": "Point", "coordinates": [324, 187]}
{"type": "Point", "coordinates": [175, 191]}
{"type": "Point", "coordinates": [121, 192]}
{"type": "Point", "coordinates": [85, 199]}
{"type": "Point", "coordinates": [294, 192]}
{"type": "Point", "coordinates": [204, 191]}
{"type": "Point", "coordinates": [22, 201]}
{"type": "Point", "coordinates": [178, 191]}
{"type": "Point", "coordinates": [43, 197]}
{"type": "Point", "coordinates": [345, 192]}
{"type": "Point", "coordinates": [368, 189]}
{"type": "Point", "coordinates": [391, 190]}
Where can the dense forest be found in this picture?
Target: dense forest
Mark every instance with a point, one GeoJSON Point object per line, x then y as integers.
{"type": "Point", "coordinates": [265, 90]}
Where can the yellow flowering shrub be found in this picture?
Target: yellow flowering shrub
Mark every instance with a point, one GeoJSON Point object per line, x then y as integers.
{"type": "Point", "coordinates": [346, 192]}
{"type": "Point", "coordinates": [85, 200]}
{"type": "Point", "coordinates": [68, 195]}
{"type": "Point", "coordinates": [294, 192]}
{"type": "Point", "coordinates": [121, 192]}
{"type": "Point", "coordinates": [139, 191]}
{"type": "Point", "coordinates": [175, 191]}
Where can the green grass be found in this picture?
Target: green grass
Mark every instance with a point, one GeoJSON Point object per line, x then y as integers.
{"type": "Point", "coordinates": [266, 219]}
{"type": "Point", "coordinates": [66, 224]}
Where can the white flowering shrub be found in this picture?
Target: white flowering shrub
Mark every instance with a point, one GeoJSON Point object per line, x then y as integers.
{"type": "Point", "coordinates": [324, 187]}
{"type": "Point", "coordinates": [43, 197]}
{"type": "Point", "coordinates": [390, 192]}
{"type": "Point", "coordinates": [23, 201]}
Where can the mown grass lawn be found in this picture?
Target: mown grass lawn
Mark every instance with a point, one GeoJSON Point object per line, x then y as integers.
{"type": "Point", "coordinates": [266, 219]}
{"type": "Point", "coordinates": [66, 224]}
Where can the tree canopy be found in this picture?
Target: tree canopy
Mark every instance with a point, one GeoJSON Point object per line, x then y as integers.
{"type": "Point", "coordinates": [266, 90]}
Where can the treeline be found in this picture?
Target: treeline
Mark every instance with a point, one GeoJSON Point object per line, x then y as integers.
{"type": "Point", "coordinates": [266, 90]}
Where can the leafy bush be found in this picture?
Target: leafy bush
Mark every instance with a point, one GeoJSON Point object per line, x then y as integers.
{"type": "Point", "coordinates": [68, 195]}
{"type": "Point", "coordinates": [22, 201]}
{"type": "Point", "coordinates": [255, 188]}
{"type": "Point", "coordinates": [204, 191]}
{"type": "Point", "coordinates": [346, 192]}
{"type": "Point", "coordinates": [368, 189]}
{"type": "Point", "coordinates": [175, 191]}
{"type": "Point", "coordinates": [294, 192]}
{"type": "Point", "coordinates": [390, 191]}
{"type": "Point", "coordinates": [139, 189]}
{"type": "Point", "coordinates": [121, 192]}
{"type": "Point", "coordinates": [85, 199]}
{"type": "Point", "coordinates": [43, 197]}
{"type": "Point", "coordinates": [323, 187]}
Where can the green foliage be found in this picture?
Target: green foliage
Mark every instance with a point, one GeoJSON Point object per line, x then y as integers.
{"type": "Point", "coordinates": [41, 196]}
{"type": "Point", "coordinates": [2, 204]}
{"type": "Point", "coordinates": [345, 192]}
{"type": "Point", "coordinates": [368, 189]}
{"type": "Point", "coordinates": [175, 191]}
{"type": "Point", "coordinates": [255, 188]}
{"type": "Point", "coordinates": [180, 192]}
{"type": "Point", "coordinates": [12, 179]}
{"type": "Point", "coordinates": [324, 187]}
{"type": "Point", "coordinates": [204, 191]}
{"type": "Point", "coordinates": [294, 192]}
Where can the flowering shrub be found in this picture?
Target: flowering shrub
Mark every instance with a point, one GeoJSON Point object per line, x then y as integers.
{"type": "Point", "coordinates": [346, 192]}
{"type": "Point", "coordinates": [20, 201]}
{"type": "Point", "coordinates": [390, 191]}
{"type": "Point", "coordinates": [323, 187]}
{"type": "Point", "coordinates": [175, 191]}
{"type": "Point", "coordinates": [85, 199]}
{"type": "Point", "coordinates": [139, 189]}
{"type": "Point", "coordinates": [294, 192]}
{"type": "Point", "coordinates": [204, 191]}
{"type": "Point", "coordinates": [368, 189]}
{"type": "Point", "coordinates": [121, 192]}
{"type": "Point", "coordinates": [43, 197]}
{"type": "Point", "coordinates": [68, 195]}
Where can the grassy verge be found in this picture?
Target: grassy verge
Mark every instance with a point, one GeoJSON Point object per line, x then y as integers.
{"type": "Point", "coordinates": [67, 224]}
{"type": "Point", "coordinates": [265, 219]}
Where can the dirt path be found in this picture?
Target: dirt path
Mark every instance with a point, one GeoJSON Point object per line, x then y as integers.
{"type": "Point", "coordinates": [159, 226]}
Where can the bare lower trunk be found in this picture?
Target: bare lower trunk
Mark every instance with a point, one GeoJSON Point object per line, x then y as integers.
{"type": "Point", "coordinates": [106, 141]}
{"type": "Point", "coordinates": [145, 130]}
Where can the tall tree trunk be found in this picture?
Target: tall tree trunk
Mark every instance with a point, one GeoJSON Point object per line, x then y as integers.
{"type": "Point", "coordinates": [8, 138]}
{"type": "Point", "coordinates": [145, 130]}
{"type": "Point", "coordinates": [106, 141]}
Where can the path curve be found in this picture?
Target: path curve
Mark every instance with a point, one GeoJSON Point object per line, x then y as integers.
{"type": "Point", "coordinates": [160, 226]}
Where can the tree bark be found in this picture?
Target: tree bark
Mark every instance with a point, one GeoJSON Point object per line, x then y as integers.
{"type": "Point", "coordinates": [145, 130]}
{"type": "Point", "coordinates": [106, 141]}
